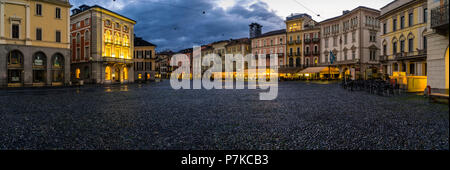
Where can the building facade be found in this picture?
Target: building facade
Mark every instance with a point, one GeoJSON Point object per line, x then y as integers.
{"type": "Point", "coordinates": [163, 67]}
{"type": "Point", "coordinates": [437, 44]}
{"type": "Point", "coordinates": [353, 38]}
{"type": "Point", "coordinates": [403, 42]}
{"type": "Point", "coordinates": [34, 40]}
{"type": "Point", "coordinates": [295, 24]}
{"type": "Point", "coordinates": [311, 46]}
{"type": "Point", "coordinates": [273, 42]}
{"type": "Point", "coordinates": [144, 60]}
{"type": "Point", "coordinates": [102, 46]}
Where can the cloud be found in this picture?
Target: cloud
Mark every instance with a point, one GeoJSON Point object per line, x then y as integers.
{"type": "Point", "coordinates": [179, 24]}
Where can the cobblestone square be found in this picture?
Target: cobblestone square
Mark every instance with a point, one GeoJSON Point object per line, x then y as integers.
{"type": "Point", "coordinates": [305, 116]}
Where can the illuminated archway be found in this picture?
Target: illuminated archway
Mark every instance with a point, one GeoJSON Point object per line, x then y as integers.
{"type": "Point", "coordinates": [77, 73]}
{"type": "Point", "coordinates": [125, 73]}
{"type": "Point", "coordinates": [446, 69]}
{"type": "Point", "coordinates": [108, 73]}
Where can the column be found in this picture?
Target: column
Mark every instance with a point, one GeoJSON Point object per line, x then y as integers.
{"type": "Point", "coordinates": [2, 19]}
{"type": "Point", "coordinates": [28, 20]}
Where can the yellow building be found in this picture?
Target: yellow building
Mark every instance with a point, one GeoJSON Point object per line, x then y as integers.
{"type": "Point", "coordinates": [34, 37]}
{"type": "Point", "coordinates": [102, 46]}
{"type": "Point", "coordinates": [403, 42]}
{"type": "Point", "coordinates": [237, 46]}
{"type": "Point", "coordinates": [295, 24]}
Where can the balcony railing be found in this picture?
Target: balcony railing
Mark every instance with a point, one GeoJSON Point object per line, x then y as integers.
{"type": "Point", "coordinates": [315, 52]}
{"type": "Point", "coordinates": [291, 42]}
{"type": "Point", "coordinates": [307, 41]}
{"type": "Point", "coordinates": [307, 53]}
{"type": "Point", "coordinates": [410, 55]}
{"type": "Point", "coordinates": [118, 60]}
{"type": "Point", "coordinates": [298, 42]}
{"type": "Point", "coordinates": [316, 40]}
{"type": "Point", "coordinates": [297, 54]}
{"type": "Point", "coordinates": [439, 17]}
{"type": "Point", "coordinates": [384, 58]}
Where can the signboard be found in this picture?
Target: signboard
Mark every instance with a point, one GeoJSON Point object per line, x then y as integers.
{"type": "Point", "coordinates": [38, 62]}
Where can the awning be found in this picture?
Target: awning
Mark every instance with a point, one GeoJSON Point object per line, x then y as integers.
{"type": "Point", "coordinates": [288, 70]}
{"type": "Point", "coordinates": [323, 70]}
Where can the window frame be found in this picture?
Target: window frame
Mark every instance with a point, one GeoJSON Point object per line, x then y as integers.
{"type": "Point", "coordinates": [13, 32]}
{"type": "Point", "coordinates": [58, 13]}
{"type": "Point", "coordinates": [38, 11]}
{"type": "Point", "coordinates": [38, 34]}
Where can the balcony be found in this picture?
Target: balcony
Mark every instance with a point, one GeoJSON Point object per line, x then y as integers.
{"type": "Point", "coordinates": [297, 54]}
{"type": "Point", "coordinates": [307, 53]}
{"type": "Point", "coordinates": [290, 54]}
{"type": "Point", "coordinates": [420, 54]}
{"type": "Point", "coordinates": [117, 60]}
{"type": "Point", "coordinates": [291, 42]}
{"type": "Point", "coordinates": [439, 18]}
{"type": "Point", "coordinates": [316, 53]}
{"type": "Point", "coordinates": [384, 58]}
{"type": "Point", "coordinates": [316, 40]}
{"type": "Point", "coordinates": [307, 41]}
{"type": "Point", "coordinates": [108, 41]}
{"type": "Point", "coordinates": [298, 42]}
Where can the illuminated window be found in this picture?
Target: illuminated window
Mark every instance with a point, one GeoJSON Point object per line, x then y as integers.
{"type": "Point", "coordinates": [117, 38]}
{"type": "Point", "coordinates": [77, 73]}
{"type": "Point", "coordinates": [108, 73]}
{"type": "Point", "coordinates": [117, 53]}
{"type": "Point", "coordinates": [125, 41]}
{"type": "Point", "coordinates": [108, 51]}
{"type": "Point", "coordinates": [125, 53]}
{"type": "Point", "coordinates": [139, 76]}
{"type": "Point", "coordinates": [108, 36]}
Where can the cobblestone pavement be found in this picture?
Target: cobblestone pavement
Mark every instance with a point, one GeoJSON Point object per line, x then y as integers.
{"type": "Point", "coordinates": [153, 116]}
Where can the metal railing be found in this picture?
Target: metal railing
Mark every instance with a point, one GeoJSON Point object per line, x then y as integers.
{"type": "Point", "coordinates": [316, 40]}
{"type": "Point", "coordinates": [119, 60]}
{"type": "Point", "coordinates": [439, 17]}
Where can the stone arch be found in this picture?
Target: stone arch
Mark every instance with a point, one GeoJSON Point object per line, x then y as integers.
{"type": "Point", "coordinates": [15, 66]}
{"type": "Point", "coordinates": [394, 39]}
{"type": "Point", "coordinates": [108, 73]}
{"type": "Point", "coordinates": [402, 37]}
{"type": "Point", "coordinates": [39, 65]}
{"type": "Point", "coordinates": [57, 66]}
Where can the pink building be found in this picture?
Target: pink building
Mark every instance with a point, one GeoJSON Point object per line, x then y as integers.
{"type": "Point", "coordinates": [273, 42]}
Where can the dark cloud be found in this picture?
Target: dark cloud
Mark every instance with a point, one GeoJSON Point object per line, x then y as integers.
{"type": "Point", "coordinates": [178, 24]}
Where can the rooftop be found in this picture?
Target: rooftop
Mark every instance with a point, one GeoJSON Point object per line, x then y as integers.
{"type": "Point", "coordinates": [84, 7]}
{"type": "Point", "coordinates": [346, 12]}
{"type": "Point", "coordinates": [139, 42]}
{"type": "Point", "coordinates": [297, 16]}
{"type": "Point", "coordinates": [276, 32]}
